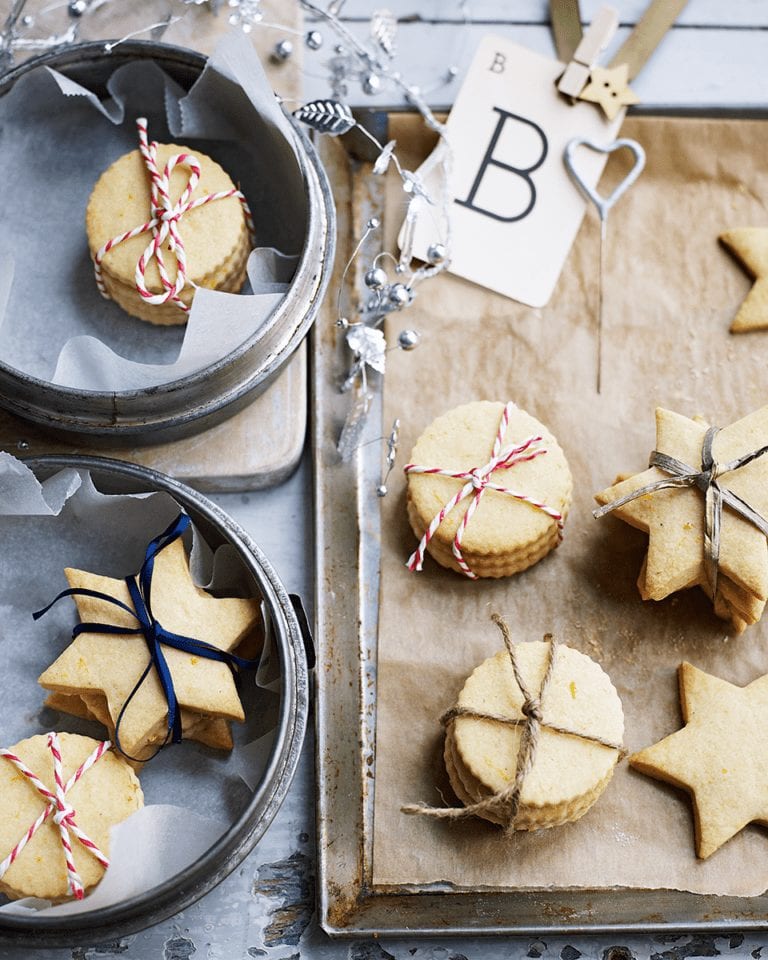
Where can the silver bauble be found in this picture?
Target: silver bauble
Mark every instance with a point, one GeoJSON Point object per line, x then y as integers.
{"type": "Point", "coordinates": [283, 50]}
{"type": "Point", "coordinates": [436, 253]}
{"type": "Point", "coordinates": [375, 278]}
{"type": "Point", "coordinates": [408, 339]}
{"type": "Point", "coordinates": [399, 295]}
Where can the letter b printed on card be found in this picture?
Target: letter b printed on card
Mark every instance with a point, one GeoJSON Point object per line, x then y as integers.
{"type": "Point", "coordinates": [514, 211]}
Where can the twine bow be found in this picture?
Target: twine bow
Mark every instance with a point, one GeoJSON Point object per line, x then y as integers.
{"type": "Point", "coordinates": [505, 805]}
{"type": "Point", "coordinates": [478, 480]}
{"type": "Point", "coordinates": [155, 635]}
{"type": "Point", "coordinates": [63, 814]}
{"type": "Point", "coordinates": [706, 480]}
{"type": "Point", "coordinates": [164, 224]}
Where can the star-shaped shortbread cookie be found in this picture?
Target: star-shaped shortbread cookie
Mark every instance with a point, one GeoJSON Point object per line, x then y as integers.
{"type": "Point", "coordinates": [609, 88]}
{"type": "Point", "coordinates": [720, 756]}
{"type": "Point", "coordinates": [749, 245]}
{"type": "Point", "coordinates": [111, 666]}
{"type": "Point", "coordinates": [675, 518]}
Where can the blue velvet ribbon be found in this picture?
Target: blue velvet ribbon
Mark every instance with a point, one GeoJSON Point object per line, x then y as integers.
{"type": "Point", "coordinates": [155, 635]}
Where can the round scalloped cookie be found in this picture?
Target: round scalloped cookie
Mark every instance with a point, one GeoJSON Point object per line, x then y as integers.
{"type": "Point", "coordinates": [505, 535]}
{"type": "Point", "coordinates": [105, 795]}
{"type": "Point", "coordinates": [215, 235]}
{"type": "Point", "coordinates": [569, 772]}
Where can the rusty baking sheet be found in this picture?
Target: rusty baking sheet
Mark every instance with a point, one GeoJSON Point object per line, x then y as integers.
{"type": "Point", "coordinates": [347, 579]}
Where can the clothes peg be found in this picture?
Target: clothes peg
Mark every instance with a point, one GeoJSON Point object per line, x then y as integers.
{"type": "Point", "coordinates": [596, 38]}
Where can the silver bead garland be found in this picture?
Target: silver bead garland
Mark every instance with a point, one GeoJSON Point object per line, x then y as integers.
{"type": "Point", "coordinates": [314, 39]}
{"type": "Point", "coordinates": [283, 51]}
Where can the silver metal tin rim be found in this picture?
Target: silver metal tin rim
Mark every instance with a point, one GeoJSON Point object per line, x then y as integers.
{"type": "Point", "coordinates": [183, 407]}
{"type": "Point", "coordinates": [229, 851]}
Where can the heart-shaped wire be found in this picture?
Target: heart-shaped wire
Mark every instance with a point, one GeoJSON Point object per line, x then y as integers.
{"type": "Point", "coordinates": [604, 204]}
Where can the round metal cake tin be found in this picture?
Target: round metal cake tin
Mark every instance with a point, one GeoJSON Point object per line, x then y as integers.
{"type": "Point", "coordinates": [185, 406]}
{"type": "Point", "coordinates": [112, 476]}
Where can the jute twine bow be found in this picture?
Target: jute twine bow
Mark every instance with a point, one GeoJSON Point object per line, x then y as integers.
{"type": "Point", "coordinates": [63, 813]}
{"type": "Point", "coordinates": [706, 479]}
{"type": "Point", "coordinates": [478, 480]}
{"type": "Point", "coordinates": [164, 223]}
{"type": "Point", "coordinates": [506, 804]}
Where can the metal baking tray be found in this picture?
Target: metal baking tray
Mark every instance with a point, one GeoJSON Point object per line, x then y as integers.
{"type": "Point", "coordinates": [347, 554]}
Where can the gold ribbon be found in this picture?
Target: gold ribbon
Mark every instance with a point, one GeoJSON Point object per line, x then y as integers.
{"type": "Point", "coordinates": [566, 27]}
{"type": "Point", "coordinates": [649, 31]}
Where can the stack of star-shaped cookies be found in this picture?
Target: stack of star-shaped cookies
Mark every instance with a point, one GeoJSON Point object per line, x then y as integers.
{"type": "Point", "coordinates": [98, 672]}
{"type": "Point", "coordinates": [675, 518]}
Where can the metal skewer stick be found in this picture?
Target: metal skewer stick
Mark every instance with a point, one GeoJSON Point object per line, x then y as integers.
{"type": "Point", "coordinates": [603, 206]}
{"type": "Point", "coordinates": [600, 300]}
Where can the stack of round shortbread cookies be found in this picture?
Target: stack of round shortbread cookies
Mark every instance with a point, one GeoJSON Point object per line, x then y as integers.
{"type": "Point", "coordinates": [569, 770]}
{"type": "Point", "coordinates": [105, 795]}
{"type": "Point", "coordinates": [505, 535]}
{"type": "Point", "coordinates": [215, 235]}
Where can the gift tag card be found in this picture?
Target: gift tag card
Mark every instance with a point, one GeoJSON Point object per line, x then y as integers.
{"type": "Point", "coordinates": [514, 212]}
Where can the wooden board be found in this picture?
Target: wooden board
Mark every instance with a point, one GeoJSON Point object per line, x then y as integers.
{"type": "Point", "coordinates": [256, 448]}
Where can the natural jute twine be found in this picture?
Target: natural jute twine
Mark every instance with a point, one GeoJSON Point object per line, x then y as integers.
{"type": "Point", "coordinates": [706, 479]}
{"type": "Point", "coordinates": [506, 804]}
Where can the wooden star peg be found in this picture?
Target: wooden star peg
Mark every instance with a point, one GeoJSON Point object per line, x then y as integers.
{"type": "Point", "coordinates": [609, 88]}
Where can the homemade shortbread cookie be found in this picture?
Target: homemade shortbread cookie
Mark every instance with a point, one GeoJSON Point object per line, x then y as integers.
{"type": "Point", "coordinates": [108, 667]}
{"type": "Point", "coordinates": [215, 235]}
{"type": "Point", "coordinates": [675, 518]}
{"type": "Point", "coordinates": [516, 488]}
{"type": "Point", "coordinates": [720, 756]}
{"type": "Point", "coordinates": [749, 246]}
{"type": "Point", "coordinates": [212, 732]}
{"type": "Point", "coordinates": [569, 770]}
{"type": "Point", "coordinates": [105, 794]}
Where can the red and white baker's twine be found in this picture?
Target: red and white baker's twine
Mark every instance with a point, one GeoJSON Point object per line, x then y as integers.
{"type": "Point", "coordinates": [63, 814]}
{"type": "Point", "coordinates": [478, 481]}
{"type": "Point", "coordinates": [164, 223]}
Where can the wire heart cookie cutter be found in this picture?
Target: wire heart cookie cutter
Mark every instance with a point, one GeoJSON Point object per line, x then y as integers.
{"type": "Point", "coordinates": [603, 205]}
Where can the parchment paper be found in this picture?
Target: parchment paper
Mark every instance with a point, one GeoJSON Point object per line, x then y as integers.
{"type": "Point", "coordinates": [192, 793]}
{"type": "Point", "coordinates": [670, 293]}
{"type": "Point", "coordinates": [57, 139]}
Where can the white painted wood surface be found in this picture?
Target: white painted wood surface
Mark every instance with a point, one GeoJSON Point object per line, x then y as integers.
{"type": "Point", "coordinates": [718, 55]}
{"type": "Point", "coordinates": [719, 62]}
{"type": "Point", "coordinates": [726, 14]}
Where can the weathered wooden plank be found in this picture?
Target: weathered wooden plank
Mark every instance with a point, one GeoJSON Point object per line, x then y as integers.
{"type": "Point", "coordinates": [712, 13]}
{"type": "Point", "coordinates": [722, 68]}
